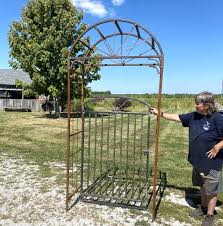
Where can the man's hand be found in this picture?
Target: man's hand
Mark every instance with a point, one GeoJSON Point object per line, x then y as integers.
{"type": "Point", "coordinates": [153, 111]}
{"type": "Point", "coordinates": [213, 152]}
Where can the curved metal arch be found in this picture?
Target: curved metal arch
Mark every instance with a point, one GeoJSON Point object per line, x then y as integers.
{"type": "Point", "coordinates": [120, 32]}
{"type": "Point", "coordinates": [117, 34]}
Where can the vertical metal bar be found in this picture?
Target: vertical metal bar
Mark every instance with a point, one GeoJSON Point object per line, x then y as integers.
{"type": "Point", "coordinates": [121, 46]}
{"type": "Point", "coordinates": [147, 156]}
{"type": "Point", "coordinates": [78, 149]}
{"type": "Point", "coordinates": [68, 135]}
{"type": "Point", "coordinates": [127, 155]}
{"type": "Point", "coordinates": [120, 157]}
{"type": "Point", "coordinates": [141, 162]}
{"type": "Point", "coordinates": [82, 122]}
{"type": "Point", "coordinates": [95, 150]}
{"type": "Point", "coordinates": [157, 138]}
{"type": "Point", "coordinates": [134, 156]}
{"type": "Point", "coordinates": [114, 150]}
{"type": "Point", "coordinates": [89, 148]}
{"type": "Point", "coordinates": [71, 160]}
{"type": "Point", "coordinates": [101, 160]}
{"type": "Point", "coordinates": [108, 156]}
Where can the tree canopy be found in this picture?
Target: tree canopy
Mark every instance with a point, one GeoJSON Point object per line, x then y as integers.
{"type": "Point", "coordinates": [39, 45]}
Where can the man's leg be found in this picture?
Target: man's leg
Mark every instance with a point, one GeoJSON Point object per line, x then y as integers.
{"type": "Point", "coordinates": [201, 209]}
{"type": "Point", "coordinates": [211, 185]}
{"type": "Point", "coordinates": [209, 218]}
{"type": "Point", "coordinates": [212, 201]}
{"type": "Point", "coordinates": [204, 198]}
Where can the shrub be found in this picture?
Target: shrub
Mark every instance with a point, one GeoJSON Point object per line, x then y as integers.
{"type": "Point", "coordinates": [122, 103]}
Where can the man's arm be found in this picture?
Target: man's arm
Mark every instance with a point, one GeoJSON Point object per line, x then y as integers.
{"type": "Point", "coordinates": [168, 116]}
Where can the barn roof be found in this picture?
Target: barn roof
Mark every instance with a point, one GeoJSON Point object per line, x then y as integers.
{"type": "Point", "coordinates": [9, 76]}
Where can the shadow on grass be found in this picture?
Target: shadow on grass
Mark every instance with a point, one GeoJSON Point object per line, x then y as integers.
{"type": "Point", "coordinates": [77, 115]}
{"type": "Point", "coordinates": [47, 116]}
{"type": "Point", "coordinates": [72, 115]}
{"type": "Point", "coordinates": [192, 195]}
{"type": "Point", "coordinates": [73, 203]}
{"type": "Point", "coordinates": [160, 191]}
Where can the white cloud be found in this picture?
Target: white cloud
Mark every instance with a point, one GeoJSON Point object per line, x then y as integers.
{"type": "Point", "coordinates": [93, 7]}
{"type": "Point", "coordinates": [117, 2]}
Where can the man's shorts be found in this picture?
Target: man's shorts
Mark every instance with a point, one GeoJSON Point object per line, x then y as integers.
{"type": "Point", "coordinates": [211, 180]}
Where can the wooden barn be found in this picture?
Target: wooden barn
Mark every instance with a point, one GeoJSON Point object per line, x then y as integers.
{"type": "Point", "coordinates": [8, 79]}
{"type": "Point", "coordinates": [11, 97]}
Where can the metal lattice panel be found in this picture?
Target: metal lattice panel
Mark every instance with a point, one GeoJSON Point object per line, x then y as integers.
{"type": "Point", "coordinates": [116, 157]}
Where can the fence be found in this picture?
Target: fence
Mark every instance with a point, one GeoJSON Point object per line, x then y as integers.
{"type": "Point", "coordinates": [32, 104]}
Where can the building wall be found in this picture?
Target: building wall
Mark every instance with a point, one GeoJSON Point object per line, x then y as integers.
{"type": "Point", "coordinates": [32, 104]}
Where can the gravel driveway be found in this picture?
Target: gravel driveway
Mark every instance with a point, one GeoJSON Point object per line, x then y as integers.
{"type": "Point", "coordinates": [27, 198]}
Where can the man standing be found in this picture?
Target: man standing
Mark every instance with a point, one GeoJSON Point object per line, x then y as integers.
{"type": "Point", "coordinates": [205, 154]}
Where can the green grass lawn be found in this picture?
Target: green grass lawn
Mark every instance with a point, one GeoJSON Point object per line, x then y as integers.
{"type": "Point", "coordinates": [33, 135]}
{"type": "Point", "coordinates": [38, 138]}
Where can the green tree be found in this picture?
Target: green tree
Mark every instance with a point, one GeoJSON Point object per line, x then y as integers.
{"type": "Point", "coordinates": [39, 45]}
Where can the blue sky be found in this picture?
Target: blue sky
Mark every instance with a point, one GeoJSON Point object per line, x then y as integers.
{"type": "Point", "coordinates": [190, 33]}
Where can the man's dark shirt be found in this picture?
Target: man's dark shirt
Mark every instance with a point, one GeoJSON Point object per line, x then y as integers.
{"type": "Point", "coordinates": [204, 133]}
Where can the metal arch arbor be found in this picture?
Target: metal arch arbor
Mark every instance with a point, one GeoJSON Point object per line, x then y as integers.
{"type": "Point", "coordinates": [113, 42]}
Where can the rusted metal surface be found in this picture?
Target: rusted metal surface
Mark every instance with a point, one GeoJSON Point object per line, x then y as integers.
{"type": "Point", "coordinates": [157, 140]}
{"type": "Point", "coordinates": [99, 173]}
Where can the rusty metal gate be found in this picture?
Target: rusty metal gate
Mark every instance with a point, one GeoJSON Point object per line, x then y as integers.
{"type": "Point", "coordinates": [111, 163]}
{"type": "Point", "coordinates": [115, 160]}
{"type": "Point", "coordinates": [108, 152]}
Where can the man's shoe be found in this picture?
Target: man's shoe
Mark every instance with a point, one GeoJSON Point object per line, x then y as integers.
{"type": "Point", "coordinates": [199, 211]}
{"type": "Point", "coordinates": [208, 220]}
